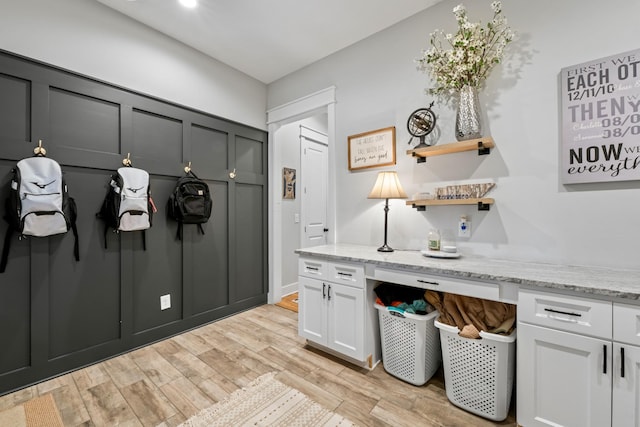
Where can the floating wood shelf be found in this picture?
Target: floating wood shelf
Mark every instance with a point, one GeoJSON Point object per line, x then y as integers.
{"type": "Point", "coordinates": [482, 145]}
{"type": "Point", "coordinates": [421, 205]}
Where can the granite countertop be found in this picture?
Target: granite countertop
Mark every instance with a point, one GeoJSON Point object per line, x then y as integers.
{"type": "Point", "coordinates": [597, 281]}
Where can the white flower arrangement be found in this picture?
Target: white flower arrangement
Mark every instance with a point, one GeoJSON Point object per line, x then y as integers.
{"type": "Point", "coordinates": [474, 51]}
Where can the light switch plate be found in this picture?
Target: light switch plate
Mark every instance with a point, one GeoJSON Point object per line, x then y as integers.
{"type": "Point", "coordinates": [165, 302]}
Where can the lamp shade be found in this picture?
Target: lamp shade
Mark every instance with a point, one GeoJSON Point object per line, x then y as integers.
{"type": "Point", "coordinates": [387, 186]}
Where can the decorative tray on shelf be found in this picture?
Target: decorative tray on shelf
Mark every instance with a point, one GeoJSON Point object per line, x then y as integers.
{"type": "Point", "coordinates": [465, 194]}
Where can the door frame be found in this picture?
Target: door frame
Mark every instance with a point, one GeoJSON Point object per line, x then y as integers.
{"type": "Point", "coordinates": [319, 102]}
{"type": "Point", "coordinates": [310, 136]}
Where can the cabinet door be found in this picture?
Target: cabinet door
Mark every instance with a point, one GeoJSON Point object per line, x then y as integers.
{"type": "Point", "coordinates": [346, 320]}
{"type": "Point", "coordinates": [312, 313]}
{"type": "Point", "coordinates": [564, 379]}
{"type": "Point", "coordinates": [626, 393]}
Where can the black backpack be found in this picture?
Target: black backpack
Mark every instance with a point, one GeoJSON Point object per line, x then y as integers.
{"type": "Point", "coordinates": [128, 205]}
{"type": "Point", "coordinates": [38, 204]}
{"type": "Point", "coordinates": [190, 202]}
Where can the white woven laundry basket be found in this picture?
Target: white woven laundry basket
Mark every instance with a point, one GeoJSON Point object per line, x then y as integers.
{"type": "Point", "coordinates": [410, 344]}
{"type": "Point", "coordinates": [478, 373]}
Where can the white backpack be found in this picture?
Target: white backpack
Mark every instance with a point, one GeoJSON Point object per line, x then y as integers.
{"type": "Point", "coordinates": [128, 205]}
{"type": "Point", "coordinates": [38, 204]}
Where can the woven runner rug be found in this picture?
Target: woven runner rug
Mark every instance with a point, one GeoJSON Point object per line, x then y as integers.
{"type": "Point", "coordinates": [267, 402]}
{"type": "Point", "coordinates": [39, 412]}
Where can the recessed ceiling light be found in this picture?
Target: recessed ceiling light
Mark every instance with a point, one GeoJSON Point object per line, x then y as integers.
{"type": "Point", "coordinates": [189, 3]}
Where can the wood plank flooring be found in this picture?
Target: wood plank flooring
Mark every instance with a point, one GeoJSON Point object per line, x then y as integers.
{"type": "Point", "coordinates": [167, 382]}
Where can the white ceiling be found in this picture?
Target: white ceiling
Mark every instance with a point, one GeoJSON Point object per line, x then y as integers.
{"type": "Point", "coordinates": [268, 39]}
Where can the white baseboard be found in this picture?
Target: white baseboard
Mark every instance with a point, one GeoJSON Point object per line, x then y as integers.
{"type": "Point", "coordinates": [289, 289]}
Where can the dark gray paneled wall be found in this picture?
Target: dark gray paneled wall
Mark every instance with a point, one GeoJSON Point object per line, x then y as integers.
{"type": "Point", "coordinates": [57, 314]}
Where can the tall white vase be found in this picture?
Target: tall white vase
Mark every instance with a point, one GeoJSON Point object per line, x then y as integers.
{"type": "Point", "coordinates": [468, 121]}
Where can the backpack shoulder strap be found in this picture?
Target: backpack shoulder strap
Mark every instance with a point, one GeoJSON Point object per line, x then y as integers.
{"type": "Point", "coordinates": [179, 232]}
{"type": "Point", "coordinates": [73, 213]}
{"type": "Point", "coordinates": [11, 218]}
{"type": "Point", "coordinates": [5, 249]}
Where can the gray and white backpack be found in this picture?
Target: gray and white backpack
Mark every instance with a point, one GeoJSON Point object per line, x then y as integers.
{"type": "Point", "coordinates": [128, 205]}
{"type": "Point", "coordinates": [38, 203]}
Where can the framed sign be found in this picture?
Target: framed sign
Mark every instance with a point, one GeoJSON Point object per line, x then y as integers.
{"type": "Point", "coordinates": [601, 120]}
{"type": "Point", "coordinates": [372, 149]}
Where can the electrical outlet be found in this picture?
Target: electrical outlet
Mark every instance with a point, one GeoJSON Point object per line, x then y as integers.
{"type": "Point", "coordinates": [165, 302]}
{"type": "Point", "coordinates": [464, 227]}
{"type": "Point", "coordinates": [296, 218]}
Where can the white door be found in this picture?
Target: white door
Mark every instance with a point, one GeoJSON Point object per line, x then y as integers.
{"type": "Point", "coordinates": [565, 379]}
{"type": "Point", "coordinates": [314, 176]}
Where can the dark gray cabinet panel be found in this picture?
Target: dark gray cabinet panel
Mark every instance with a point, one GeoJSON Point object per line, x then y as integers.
{"type": "Point", "coordinates": [249, 242]}
{"type": "Point", "coordinates": [207, 256]}
{"type": "Point", "coordinates": [209, 151]}
{"type": "Point", "coordinates": [15, 296]}
{"type": "Point", "coordinates": [158, 270]}
{"type": "Point", "coordinates": [156, 137]}
{"type": "Point", "coordinates": [83, 123]}
{"type": "Point", "coordinates": [84, 297]}
{"type": "Point", "coordinates": [57, 314]}
{"type": "Point", "coordinates": [15, 108]}
{"type": "Point", "coordinates": [249, 155]}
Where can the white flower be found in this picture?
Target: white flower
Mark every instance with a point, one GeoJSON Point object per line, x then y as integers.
{"type": "Point", "coordinates": [468, 25]}
{"type": "Point", "coordinates": [474, 51]}
{"type": "Point", "coordinates": [459, 10]}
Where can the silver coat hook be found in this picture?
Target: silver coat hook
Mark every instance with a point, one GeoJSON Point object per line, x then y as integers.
{"type": "Point", "coordinates": [232, 174]}
{"type": "Point", "coordinates": [187, 168]}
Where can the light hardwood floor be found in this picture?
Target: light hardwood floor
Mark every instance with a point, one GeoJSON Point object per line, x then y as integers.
{"type": "Point", "coordinates": [167, 382]}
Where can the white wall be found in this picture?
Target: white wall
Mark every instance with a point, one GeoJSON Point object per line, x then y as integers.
{"type": "Point", "coordinates": [535, 217]}
{"type": "Point", "coordinates": [288, 145]}
{"type": "Point", "coordinates": [85, 36]}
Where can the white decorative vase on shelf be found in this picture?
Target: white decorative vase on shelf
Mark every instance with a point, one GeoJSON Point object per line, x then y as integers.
{"type": "Point", "coordinates": [468, 124]}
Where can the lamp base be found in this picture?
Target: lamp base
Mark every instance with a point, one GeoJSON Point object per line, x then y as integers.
{"type": "Point", "coordinates": [385, 248]}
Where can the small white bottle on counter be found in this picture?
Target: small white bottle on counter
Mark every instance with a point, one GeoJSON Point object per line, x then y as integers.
{"type": "Point", "coordinates": [433, 240]}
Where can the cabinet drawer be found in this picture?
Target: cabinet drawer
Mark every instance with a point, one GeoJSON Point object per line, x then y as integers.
{"type": "Point", "coordinates": [312, 268]}
{"type": "Point", "coordinates": [567, 313]}
{"type": "Point", "coordinates": [626, 322]}
{"type": "Point", "coordinates": [346, 274]}
{"type": "Point", "coordinates": [472, 288]}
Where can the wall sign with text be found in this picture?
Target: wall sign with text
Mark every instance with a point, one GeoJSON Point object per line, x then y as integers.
{"type": "Point", "coordinates": [372, 149]}
{"type": "Point", "coordinates": [601, 120]}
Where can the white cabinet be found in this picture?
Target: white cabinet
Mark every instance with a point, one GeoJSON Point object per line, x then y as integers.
{"type": "Point", "coordinates": [626, 393]}
{"type": "Point", "coordinates": [345, 320]}
{"type": "Point", "coordinates": [626, 365]}
{"type": "Point", "coordinates": [332, 315]}
{"type": "Point", "coordinates": [578, 361]}
{"type": "Point", "coordinates": [562, 379]}
{"type": "Point", "coordinates": [312, 310]}
{"type": "Point", "coordinates": [336, 311]}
